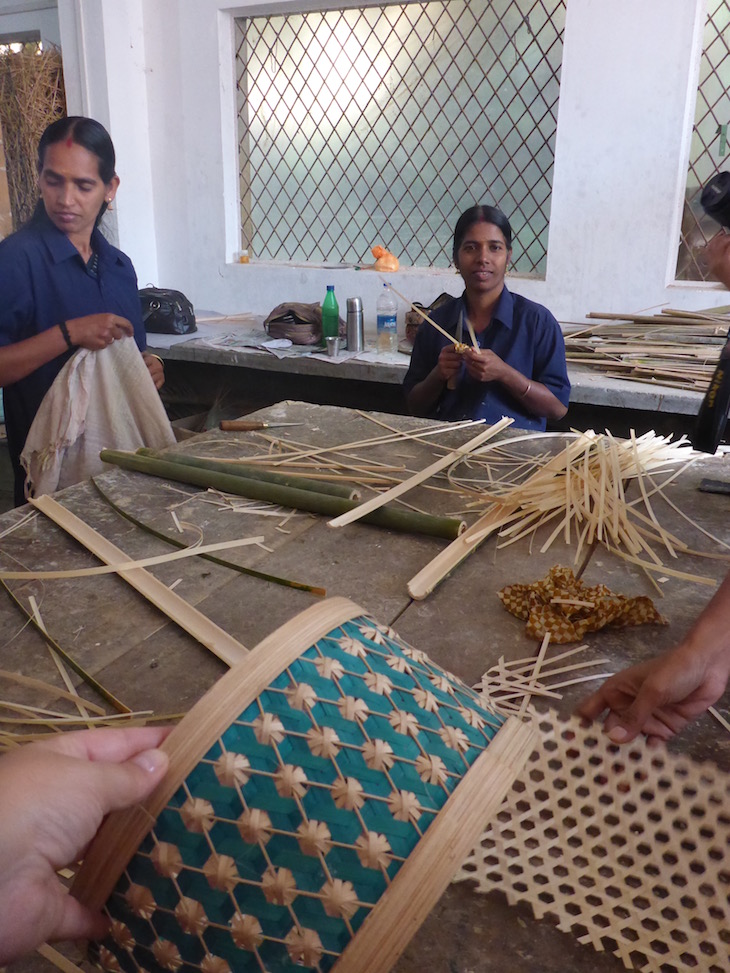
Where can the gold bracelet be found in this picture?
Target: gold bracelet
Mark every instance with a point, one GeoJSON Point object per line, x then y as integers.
{"type": "Point", "coordinates": [155, 356]}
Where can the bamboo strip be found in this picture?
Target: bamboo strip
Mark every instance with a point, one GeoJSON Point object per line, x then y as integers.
{"type": "Point", "coordinates": [58, 959]}
{"type": "Point", "coordinates": [252, 572]}
{"type": "Point", "coordinates": [209, 634]}
{"type": "Point", "coordinates": [425, 317]}
{"type": "Point", "coordinates": [46, 687]}
{"type": "Point", "coordinates": [57, 661]}
{"type": "Point", "coordinates": [371, 505]}
{"type": "Point", "coordinates": [70, 662]}
{"type": "Point", "coordinates": [145, 562]}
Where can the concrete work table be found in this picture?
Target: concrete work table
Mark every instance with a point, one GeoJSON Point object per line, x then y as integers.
{"type": "Point", "coordinates": [144, 659]}
{"type": "Point", "coordinates": [588, 386]}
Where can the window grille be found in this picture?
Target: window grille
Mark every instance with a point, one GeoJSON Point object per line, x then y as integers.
{"type": "Point", "coordinates": [382, 124]}
{"type": "Point", "coordinates": [709, 150]}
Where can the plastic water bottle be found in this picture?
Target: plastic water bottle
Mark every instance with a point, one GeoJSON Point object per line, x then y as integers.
{"type": "Point", "coordinates": [387, 310]}
{"type": "Point", "coordinates": [330, 315]}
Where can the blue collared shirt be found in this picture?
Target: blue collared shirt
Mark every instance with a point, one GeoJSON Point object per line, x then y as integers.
{"type": "Point", "coordinates": [523, 334]}
{"type": "Point", "coordinates": [43, 281]}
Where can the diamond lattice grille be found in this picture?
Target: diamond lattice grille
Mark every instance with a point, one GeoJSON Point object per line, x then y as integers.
{"type": "Point", "coordinates": [710, 147]}
{"type": "Point", "coordinates": [382, 124]}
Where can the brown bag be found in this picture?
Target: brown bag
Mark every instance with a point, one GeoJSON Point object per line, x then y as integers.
{"type": "Point", "coordinates": [300, 323]}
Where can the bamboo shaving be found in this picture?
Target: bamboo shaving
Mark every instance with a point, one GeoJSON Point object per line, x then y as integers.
{"type": "Point", "coordinates": [128, 565]}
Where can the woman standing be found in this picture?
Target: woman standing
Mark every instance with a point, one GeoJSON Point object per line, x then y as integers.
{"type": "Point", "coordinates": [519, 368]}
{"type": "Point", "coordinates": [63, 285]}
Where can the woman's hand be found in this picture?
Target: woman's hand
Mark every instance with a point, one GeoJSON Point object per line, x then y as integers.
{"type": "Point", "coordinates": [53, 797]}
{"type": "Point", "coordinates": [449, 363]}
{"type": "Point", "coordinates": [659, 697]}
{"type": "Point", "coordinates": [156, 369]}
{"type": "Point", "coordinates": [95, 331]}
{"type": "Point", "coordinates": [483, 365]}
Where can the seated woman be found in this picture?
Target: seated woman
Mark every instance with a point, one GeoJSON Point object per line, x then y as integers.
{"type": "Point", "coordinates": [519, 368]}
{"type": "Point", "coordinates": [63, 285]}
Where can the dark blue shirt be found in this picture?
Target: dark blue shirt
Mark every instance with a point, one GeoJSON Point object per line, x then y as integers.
{"type": "Point", "coordinates": [523, 334]}
{"type": "Point", "coordinates": [43, 281]}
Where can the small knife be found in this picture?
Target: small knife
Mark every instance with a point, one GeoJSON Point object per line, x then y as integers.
{"type": "Point", "coordinates": [249, 425]}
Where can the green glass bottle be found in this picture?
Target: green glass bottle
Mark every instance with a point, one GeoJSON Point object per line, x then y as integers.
{"type": "Point", "coordinates": [330, 315]}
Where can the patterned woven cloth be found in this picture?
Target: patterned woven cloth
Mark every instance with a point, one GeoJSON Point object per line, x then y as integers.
{"type": "Point", "coordinates": [566, 608]}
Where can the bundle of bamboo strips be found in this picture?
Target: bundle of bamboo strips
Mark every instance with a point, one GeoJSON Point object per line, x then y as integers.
{"type": "Point", "coordinates": [679, 349]}
{"type": "Point", "coordinates": [581, 494]}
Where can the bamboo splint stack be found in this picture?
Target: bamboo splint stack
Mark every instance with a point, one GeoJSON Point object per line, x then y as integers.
{"type": "Point", "coordinates": [580, 494]}
{"type": "Point", "coordinates": [675, 348]}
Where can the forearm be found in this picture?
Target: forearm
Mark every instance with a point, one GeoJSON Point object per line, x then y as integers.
{"type": "Point", "coordinates": [424, 395]}
{"type": "Point", "coordinates": [24, 357]}
{"type": "Point", "coordinates": [533, 395]}
{"type": "Point", "coordinates": [709, 637]}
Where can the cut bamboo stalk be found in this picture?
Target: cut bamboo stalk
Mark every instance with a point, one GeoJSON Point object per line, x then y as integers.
{"type": "Point", "coordinates": [220, 643]}
{"type": "Point", "coordinates": [364, 509]}
{"type": "Point", "coordinates": [422, 584]}
{"type": "Point", "coordinates": [403, 520]}
{"type": "Point", "coordinates": [238, 468]}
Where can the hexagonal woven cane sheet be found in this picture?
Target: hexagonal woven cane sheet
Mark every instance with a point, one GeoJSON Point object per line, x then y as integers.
{"type": "Point", "coordinates": [624, 847]}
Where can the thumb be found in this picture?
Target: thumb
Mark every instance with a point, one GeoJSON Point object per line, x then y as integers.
{"type": "Point", "coordinates": [120, 785]}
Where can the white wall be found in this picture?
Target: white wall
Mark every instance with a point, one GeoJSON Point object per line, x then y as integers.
{"type": "Point", "coordinates": [161, 74]}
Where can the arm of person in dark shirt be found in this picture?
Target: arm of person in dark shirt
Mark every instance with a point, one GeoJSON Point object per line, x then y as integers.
{"type": "Point", "coordinates": [93, 331]}
{"type": "Point", "coordinates": [484, 366]}
{"type": "Point", "coordinates": [425, 394]}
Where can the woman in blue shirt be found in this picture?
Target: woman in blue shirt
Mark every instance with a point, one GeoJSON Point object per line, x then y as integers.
{"type": "Point", "coordinates": [519, 367]}
{"type": "Point", "coordinates": [63, 285]}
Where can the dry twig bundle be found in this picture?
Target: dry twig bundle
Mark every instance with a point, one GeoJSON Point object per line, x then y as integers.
{"type": "Point", "coordinates": [31, 97]}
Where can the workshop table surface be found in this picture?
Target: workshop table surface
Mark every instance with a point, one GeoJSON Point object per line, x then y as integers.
{"type": "Point", "coordinates": [149, 663]}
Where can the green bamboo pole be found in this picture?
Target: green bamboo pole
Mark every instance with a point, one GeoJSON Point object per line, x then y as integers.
{"type": "Point", "coordinates": [254, 473]}
{"type": "Point", "coordinates": [403, 520]}
{"type": "Point", "coordinates": [252, 572]}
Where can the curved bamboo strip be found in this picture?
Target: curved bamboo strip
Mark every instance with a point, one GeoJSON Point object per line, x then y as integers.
{"type": "Point", "coordinates": [220, 643]}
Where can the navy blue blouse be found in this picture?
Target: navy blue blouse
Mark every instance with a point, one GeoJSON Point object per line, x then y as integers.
{"type": "Point", "coordinates": [523, 334]}
{"type": "Point", "coordinates": [43, 281]}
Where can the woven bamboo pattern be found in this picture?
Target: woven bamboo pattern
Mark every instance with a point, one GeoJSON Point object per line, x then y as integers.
{"type": "Point", "coordinates": [624, 847]}
{"type": "Point", "coordinates": [277, 846]}
{"type": "Point", "coordinates": [563, 606]}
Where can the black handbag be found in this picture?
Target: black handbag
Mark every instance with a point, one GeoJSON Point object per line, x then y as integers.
{"type": "Point", "coordinates": [166, 312]}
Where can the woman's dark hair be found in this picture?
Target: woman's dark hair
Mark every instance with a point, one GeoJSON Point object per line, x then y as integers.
{"type": "Point", "coordinates": [480, 214]}
{"type": "Point", "coordinates": [90, 135]}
